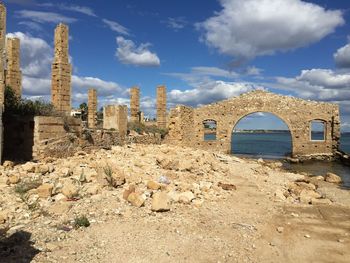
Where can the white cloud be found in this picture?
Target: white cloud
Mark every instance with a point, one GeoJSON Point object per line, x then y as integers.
{"type": "Point", "coordinates": [210, 92]}
{"type": "Point", "coordinates": [318, 84]}
{"type": "Point", "coordinates": [128, 53]}
{"type": "Point", "coordinates": [44, 17]}
{"type": "Point", "coordinates": [74, 8]}
{"type": "Point", "coordinates": [114, 26]}
{"type": "Point", "coordinates": [36, 55]}
{"type": "Point", "coordinates": [31, 25]}
{"type": "Point", "coordinates": [104, 88]}
{"type": "Point", "coordinates": [176, 23]}
{"type": "Point", "coordinates": [342, 57]}
{"type": "Point", "coordinates": [279, 25]}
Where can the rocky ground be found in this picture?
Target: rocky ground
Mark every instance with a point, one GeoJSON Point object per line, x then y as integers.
{"type": "Point", "coordinates": [144, 203]}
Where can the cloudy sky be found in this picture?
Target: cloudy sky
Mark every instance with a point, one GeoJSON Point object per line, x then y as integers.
{"type": "Point", "coordinates": [202, 52]}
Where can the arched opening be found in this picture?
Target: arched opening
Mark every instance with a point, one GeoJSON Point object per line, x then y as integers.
{"type": "Point", "coordinates": [261, 135]}
{"type": "Point", "coordinates": [209, 127]}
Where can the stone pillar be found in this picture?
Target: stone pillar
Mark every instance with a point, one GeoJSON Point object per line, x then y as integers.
{"type": "Point", "coordinates": [134, 104]}
{"type": "Point", "coordinates": [116, 117]}
{"type": "Point", "coordinates": [161, 107]}
{"type": "Point", "coordinates": [13, 73]}
{"type": "Point", "coordinates": [92, 108]}
{"type": "Point", "coordinates": [2, 52]}
{"type": "Point", "coordinates": [61, 72]}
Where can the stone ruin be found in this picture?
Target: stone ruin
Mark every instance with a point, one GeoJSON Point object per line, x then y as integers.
{"type": "Point", "coordinates": [2, 52]}
{"type": "Point", "coordinates": [161, 107]}
{"type": "Point", "coordinates": [13, 74]}
{"type": "Point", "coordinates": [186, 124]}
{"type": "Point", "coordinates": [116, 117]}
{"type": "Point", "coordinates": [135, 104]}
{"type": "Point", "coordinates": [92, 108]}
{"type": "Point", "coordinates": [61, 72]}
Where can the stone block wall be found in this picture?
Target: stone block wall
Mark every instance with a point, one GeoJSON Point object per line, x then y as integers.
{"type": "Point", "coordinates": [134, 104]}
{"type": "Point", "coordinates": [92, 108]}
{"type": "Point", "coordinates": [116, 117]}
{"type": "Point", "coordinates": [2, 52]}
{"type": "Point", "coordinates": [161, 107]}
{"type": "Point", "coordinates": [186, 124]}
{"type": "Point", "coordinates": [13, 74]}
{"type": "Point", "coordinates": [47, 129]}
{"type": "Point", "coordinates": [61, 72]}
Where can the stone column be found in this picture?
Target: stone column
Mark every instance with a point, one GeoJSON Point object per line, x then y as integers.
{"type": "Point", "coordinates": [161, 107]}
{"type": "Point", "coordinates": [2, 52]}
{"type": "Point", "coordinates": [13, 72]}
{"type": "Point", "coordinates": [92, 108]}
{"type": "Point", "coordinates": [116, 117]}
{"type": "Point", "coordinates": [61, 72]}
{"type": "Point", "coordinates": [134, 104]}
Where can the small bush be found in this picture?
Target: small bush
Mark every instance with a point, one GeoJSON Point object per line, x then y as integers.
{"type": "Point", "coordinates": [81, 221]}
{"type": "Point", "coordinates": [108, 171]}
{"type": "Point", "coordinates": [15, 105]}
{"type": "Point", "coordinates": [24, 186]}
{"type": "Point", "coordinates": [141, 128]}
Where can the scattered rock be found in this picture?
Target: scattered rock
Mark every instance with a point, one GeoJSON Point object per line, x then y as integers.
{"type": "Point", "coordinates": [227, 187]}
{"type": "Point", "coordinates": [160, 202]}
{"type": "Point", "coordinates": [136, 199]}
{"type": "Point", "coordinates": [13, 179]}
{"type": "Point", "coordinates": [307, 195]}
{"type": "Point", "coordinates": [321, 201]}
{"type": "Point", "coordinates": [28, 167]}
{"type": "Point", "coordinates": [163, 180]}
{"type": "Point", "coordinates": [153, 185]}
{"type": "Point", "coordinates": [307, 236]}
{"type": "Point", "coordinates": [60, 208]}
{"type": "Point", "coordinates": [116, 179]}
{"type": "Point", "coordinates": [333, 178]}
{"type": "Point", "coordinates": [8, 164]}
{"type": "Point", "coordinates": [3, 217]}
{"type": "Point", "coordinates": [168, 163]}
{"type": "Point", "coordinates": [127, 192]}
{"type": "Point", "coordinates": [45, 190]}
{"type": "Point", "coordinates": [69, 189]}
{"type": "Point", "coordinates": [186, 197]}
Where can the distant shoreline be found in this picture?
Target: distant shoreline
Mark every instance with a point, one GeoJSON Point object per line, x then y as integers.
{"type": "Point", "coordinates": [273, 131]}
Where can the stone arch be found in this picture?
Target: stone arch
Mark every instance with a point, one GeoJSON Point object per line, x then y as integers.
{"type": "Point", "coordinates": [186, 127]}
{"type": "Point", "coordinates": [256, 111]}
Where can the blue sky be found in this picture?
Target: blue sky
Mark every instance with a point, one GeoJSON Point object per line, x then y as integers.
{"type": "Point", "coordinates": [202, 51]}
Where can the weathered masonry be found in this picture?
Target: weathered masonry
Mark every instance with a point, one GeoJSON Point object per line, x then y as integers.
{"type": "Point", "coordinates": [186, 124]}
{"type": "Point", "coordinates": [2, 51]}
{"type": "Point", "coordinates": [161, 107]}
{"type": "Point", "coordinates": [61, 72]}
{"type": "Point", "coordinates": [135, 104]}
{"type": "Point", "coordinates": [92, 108]}
{"type": "Point", "coordinates": [13, 73]}
{"type": "Point", "coordinates": [116, 117]}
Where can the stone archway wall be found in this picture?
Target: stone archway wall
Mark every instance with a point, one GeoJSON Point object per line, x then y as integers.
{"type": "Point", "coordinates": [186, 124]}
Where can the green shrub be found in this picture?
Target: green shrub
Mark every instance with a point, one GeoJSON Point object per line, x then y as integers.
{"type": "Point", "coordinates": [142, 128]}
{"type": "Point", "coordinates": [15, 105]}
{"type": "Point", "coordinates": [81, 221]}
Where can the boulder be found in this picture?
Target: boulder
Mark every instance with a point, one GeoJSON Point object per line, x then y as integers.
{"type": "Point", "coordinates": [136, 199]}
{"type": "Point", "coordinates": [8, 164]}
{"type": "Point", "coordinates": [116, 179]}
{"type": "Point", "coordinates": [306, 195]}
{"type": "Point", "coordinates": [69, 189]}
{"type": "Point", "coordinates": [42, 169]}
{"type": "Point", "coordinates": [92, 189]}
{"type": "Point", "coordinates": [45, 190]}
{"type": "Point", "coordinates": [13, 179]}
{"type": "Point", "coordinates": [127, 192]}
{"type": "Point", "coordinates": [3, 217]}
{"type": "Point", "coordinates": [160, 202]}
{"type": "Point", "coordinates": [60, 208]}
{"type": "Point", "coordinates": [333, 178]}
{"type": "Point", "coordinates": [153, 185]}
{"type": "Point", "coordinates": [28, 167]}
{"type": "Point", "coordinates": [168, 163]}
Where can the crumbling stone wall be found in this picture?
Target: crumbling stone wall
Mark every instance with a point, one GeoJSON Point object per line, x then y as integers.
{"type": "Point", "coordinates": [134, 104]}
{"type": "Point", "coordinates": [92, 108]}
{"type": "Point", "coordinates": [186, 124]}
{"type": "Point", "coordinates": [49, 129]}
{"type": "Point", "coordinates": [116, 117]}
{"type": "Point", "coordinates": [2, 52]}
{"type": "Point", "coordinates": [13, 74]}
{"type": "Point", "coordinates": [161, 107]}
{"type": "Point", "coordinates": [61, 72]}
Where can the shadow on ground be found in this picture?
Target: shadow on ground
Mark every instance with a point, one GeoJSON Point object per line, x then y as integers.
{"type": "Point", "coordinates": [17, 248]}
